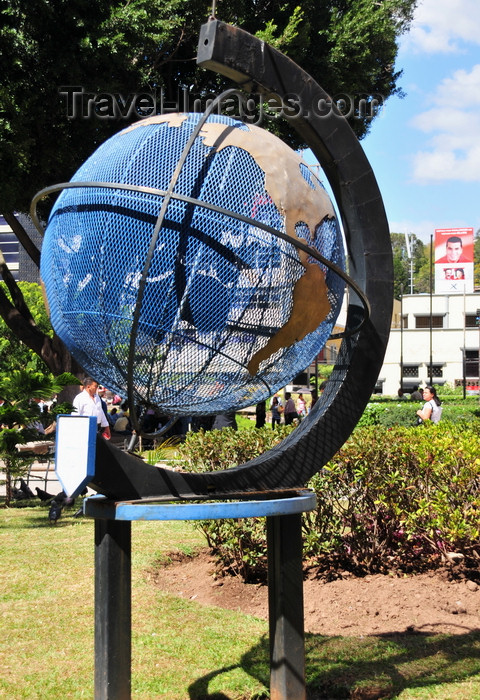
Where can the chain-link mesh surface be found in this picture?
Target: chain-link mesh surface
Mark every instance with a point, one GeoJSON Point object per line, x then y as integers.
{"type": "Point", "coordinates": [216, 288]}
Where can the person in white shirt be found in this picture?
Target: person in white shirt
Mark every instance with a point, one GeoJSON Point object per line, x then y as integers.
{"type": "Point", "coordinates": [88, 403]}
{"type": "Point", "coordinates": [432, 408]}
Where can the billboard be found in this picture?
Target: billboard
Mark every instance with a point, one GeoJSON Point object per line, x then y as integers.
{"type": "Point", "coordinates": [453, 260]}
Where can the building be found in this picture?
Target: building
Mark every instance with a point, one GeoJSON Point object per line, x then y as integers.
{"type": "Point", "coordinates": [447, 349]}
{"type": "Point", "coordinates": [19, 262]}
{"type": "Point", "coordinates": [9, 247]}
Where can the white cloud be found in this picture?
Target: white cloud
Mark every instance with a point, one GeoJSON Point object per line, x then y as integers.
{"type": "Point", "coordinates": [453, 122]}
{"type": "Point", "coordinates": [440, 26]}
{"type": "Point", "coordinates": [462, 88]}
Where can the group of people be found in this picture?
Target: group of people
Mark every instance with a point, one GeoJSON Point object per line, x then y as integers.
{"type": "Point", "coordinates": [290, 411]}
{"type": "Point", "coordinates": [91, 401]}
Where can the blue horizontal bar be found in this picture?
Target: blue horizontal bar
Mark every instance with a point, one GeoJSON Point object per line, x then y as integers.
{"type": "Point", "coordinates": [101, 507]}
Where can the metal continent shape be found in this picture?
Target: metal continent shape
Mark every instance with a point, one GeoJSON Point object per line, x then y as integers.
{"type": "Point", "coordinates": [295, 200]}
{"type": "Point", "coordinates": [254, 65]}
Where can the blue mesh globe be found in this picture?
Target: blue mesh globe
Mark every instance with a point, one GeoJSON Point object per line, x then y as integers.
{"type": "Point", "coordinates": [174, 260]}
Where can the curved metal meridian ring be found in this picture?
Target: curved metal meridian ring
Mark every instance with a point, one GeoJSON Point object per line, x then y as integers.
{"type": "Point", "coordinates": [312, 252]}
{"type": "Point", "coordinates": [220, 210]}
{"type": "Point", "coordinates": [254, 65]}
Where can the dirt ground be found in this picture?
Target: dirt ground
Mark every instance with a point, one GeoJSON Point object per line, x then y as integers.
{"type": "Point", "coordinates": [427, 603]}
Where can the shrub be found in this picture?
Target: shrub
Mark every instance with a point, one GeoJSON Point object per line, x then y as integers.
{"type": "Point", "coordinates": [399, 498]}
{"type": "Point", "coordinates": [240, 545]}
{"type": "Point", "coordinates": [392, 498]}
{"type": "Point", "coordinates": [390, 413]}
{"type": "Point", "coordinates": [221, 449]}
{"type": "Point", "coordinates": [20, 419]}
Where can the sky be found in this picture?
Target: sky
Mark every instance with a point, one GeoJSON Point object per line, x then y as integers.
{"type": "Point", "coordinates": [425, 148]}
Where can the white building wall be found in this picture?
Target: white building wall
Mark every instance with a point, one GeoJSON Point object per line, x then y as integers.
{"type": "Point", "coordinates": [447, 346]}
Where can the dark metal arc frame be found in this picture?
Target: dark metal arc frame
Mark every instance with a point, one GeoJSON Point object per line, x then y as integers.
{"type": "Point", "coordinates": [254, 65]}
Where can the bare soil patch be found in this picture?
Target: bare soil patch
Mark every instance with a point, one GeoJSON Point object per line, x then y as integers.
{"type": "Point", "coordinates": [431, 603]}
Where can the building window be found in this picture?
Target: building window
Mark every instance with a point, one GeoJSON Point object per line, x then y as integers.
{"type": "Point", "coordinates": [9, 247]}
{"type": "Point", "coordinates": [410, 370]}
{"type": "Point", "coordinates": [437, 371]}
{"type": "Point", "coordinates": [405, 321]}
{"type": "Point", "coordinates": [470, 320]}
{"type": "Point", "coordinates": [471, 363]}
{"type": "Point", "coordinates": [424, 321]}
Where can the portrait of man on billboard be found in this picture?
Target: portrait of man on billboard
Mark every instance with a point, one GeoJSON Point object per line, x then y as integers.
{"type": "Point", "coordinates": [454, 251]}
{"type": "Point", "coordinates": [454, 246]}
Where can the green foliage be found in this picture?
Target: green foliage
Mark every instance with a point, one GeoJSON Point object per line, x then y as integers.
{"type": "Point", "coordinates": [20, 417]}
{"type": "Point", "coordinates": [389, 412]}
{"type": "Point", "coordinates": [371, 414]}
{"type": "Point", "coordinates": [221, 449]}
{"type": "Point", "coordinates": [447, 391]}
{"type": "Point", "coordinates": [476, 257]}
{"type": "Point", "coordinates": [392, 498]}
{"type": "Point", "coordinates": [19, 386]}
{"type": "Point", "coordinates": [60, 409]}
{"type": "Point", "coordinates": [283, 40]}
{"type": "Point", "coordinates": [402, 266]}
{"type": "Point", "coordinates": [422, 275]}
{"type": "Point", "coordinates": [135, 47]}
{"type": "Point", "coordinates": [240, 545]}
{"type": "Point", "coordinates": [244, 422]}
{"type": "Point", "coordinates": [165, 450]}
{"type": "Point", "coordinates": [14, 354]}
{"type": "Point", "coordinates": [400, 498]}
{"type": "Point", "coordinates": [324, 372]}
{"type": "Point", "coordinates": [67, 379]}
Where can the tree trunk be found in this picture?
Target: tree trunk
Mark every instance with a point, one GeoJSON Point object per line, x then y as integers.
{"type": "Point", "coordinates": [68, 393]}
{"type": "Point", "coordinates": [8, 482]}
{"type": "Point", "coordinates": [23, 237]}
{"type": "Point", "coordinates": [18, 318]}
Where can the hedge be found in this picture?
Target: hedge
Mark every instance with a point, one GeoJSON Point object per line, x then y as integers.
{"type": "Point", "coordinates": [394, 413]}
{"type": "Point", "coordinates": [392, 499]}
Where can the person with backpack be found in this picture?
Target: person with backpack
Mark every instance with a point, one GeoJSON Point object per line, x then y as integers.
{"type": "Point", "coordinates": [432, 409]}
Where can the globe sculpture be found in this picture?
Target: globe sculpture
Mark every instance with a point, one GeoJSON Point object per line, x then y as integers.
{"type": "Point", "coordinates": [178, 262]}
{"type": "Point", "coordinates": [197, 261]}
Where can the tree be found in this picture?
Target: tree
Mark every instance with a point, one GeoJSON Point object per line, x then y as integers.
{"type": "Point", "coordinates": [403, 266]}
{"type": "Point", "coordinates": [423, 279]}
{"type": "Point", "coordinates": [20, 417]}
{"type": "Point", "coordinates": [111, 51]}
{"type": "Point", "coordinates": [14, 354]}
{"type": "Point", "coordinates": [19, 319]}
{"type": "Point", "coordinates": [476, 258]}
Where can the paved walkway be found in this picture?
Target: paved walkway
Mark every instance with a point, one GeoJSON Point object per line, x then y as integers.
{"type": "Point", "coordinates": [37, 478]}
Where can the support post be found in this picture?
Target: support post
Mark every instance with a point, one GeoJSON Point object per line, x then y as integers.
{"type": "Point", "coordinates": [285, 601]}
{"type": "Point", "coordinates": [112, 610]}
{"type": "Point", "coordinates": [113, 584]}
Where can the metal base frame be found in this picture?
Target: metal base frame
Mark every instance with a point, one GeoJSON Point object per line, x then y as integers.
{"type": "Point", "coordinates": [113, 586]}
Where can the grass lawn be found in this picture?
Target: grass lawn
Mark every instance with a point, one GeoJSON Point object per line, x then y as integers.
{"type": "Point", "coordinates": [181, 650]}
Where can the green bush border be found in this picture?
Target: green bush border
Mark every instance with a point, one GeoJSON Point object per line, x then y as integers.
{"type": "Point", "coordinates": [394, 498]}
